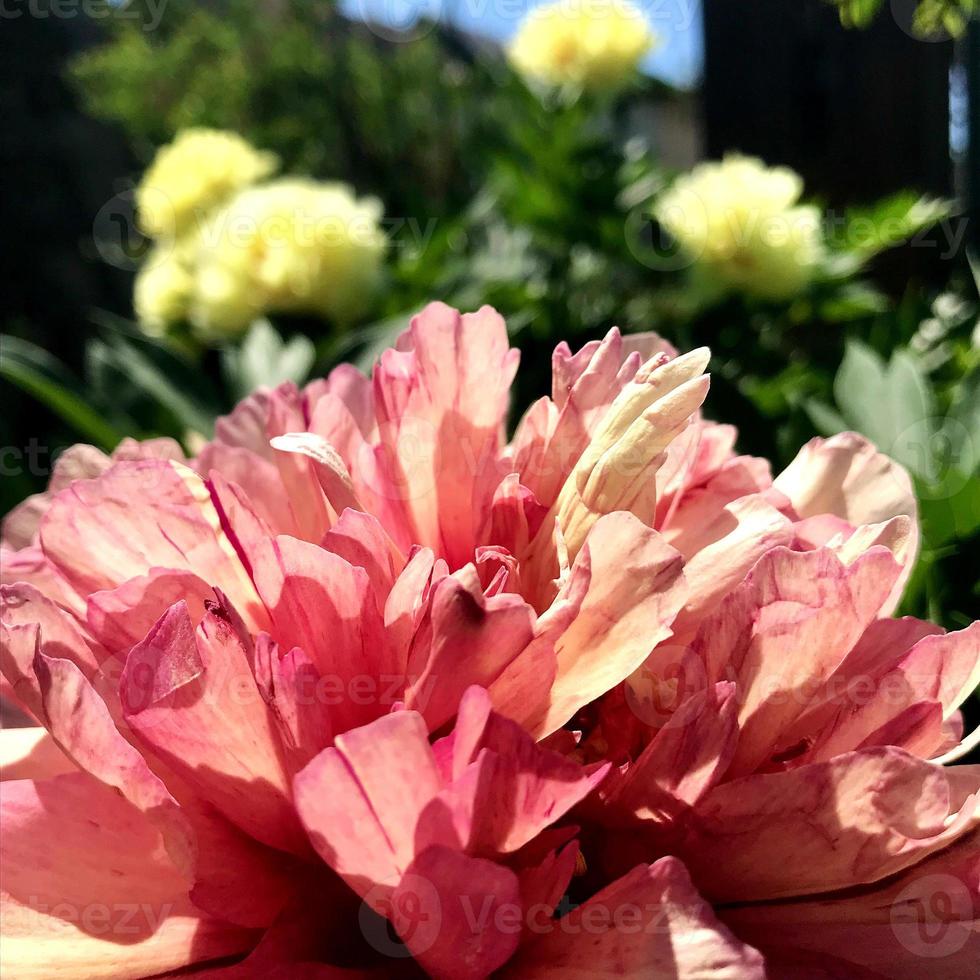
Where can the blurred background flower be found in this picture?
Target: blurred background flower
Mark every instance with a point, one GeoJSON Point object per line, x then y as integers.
{"type": "Point", "coordinates": [584, 44]}
{"type": "Point", "coordinates": [291, 245]}
{"type": "Point", "coordinates": [741, 221]}
{"type": "Point", "coordinates": [194, 174]}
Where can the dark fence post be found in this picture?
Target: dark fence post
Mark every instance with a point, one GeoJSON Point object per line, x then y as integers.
{"type": "Point", "coordinates": [858, 113]}
{"type": "Point", "coordinates": [972, 58]}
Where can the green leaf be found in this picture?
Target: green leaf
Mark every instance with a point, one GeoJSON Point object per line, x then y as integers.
{"type": "Point", "coordinates": [825, 419]}
{"type": "Point", "coordinates": [853, 301]}
{"type": "Point", "coordinates": [866, 232]}
{"type": "Point", "coordinates": [264, 359]}
{"type": "Point", "coordinates": [43, 376]}
{"type": "Point", "coordinates": [153, 370]}
{"type": "Point", "coordinates": [962, 425]}
{"type": "Point", "coordinates": [951, 515]}
{"type": "Point", "coordinates": [858, 390]}
{"type": "Point", "coordinates": [857, 13]}
{"type": "Point", "coordinates": [892, 405]}
{"type": "Point", "coordinates": [910, 398]}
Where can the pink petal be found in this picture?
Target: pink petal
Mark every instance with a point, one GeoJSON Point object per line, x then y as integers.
{"type": "Point", "coordinates": [190, 697]}
{"type": "Point", "coordinates": [584, 385]}
{"type": "Point", "coordinates": [246, 529]}
{"type": "Point", "coordinates": [311, 510]}
{"type": "Point", "coordinates": [138, 516]}
{"type": "Point", "coordinates": [89, 890]}
{"type": "Point", "coordinates": [327, 607]}
{"type": "Point", "coordinates": [925, 922]}
{"type": "Point", "coordinates": [742, 532]}
{"type": "Point", "coordinates": [650, 925]}
{"type": "Point", "coordinates": [847, 477]}
{"type": "Point", "coordinates": [218, 860]}
{"type": "Point", "coordinates": [693, 459]}
{"type": "Point", "coordinates": [506, 789]}
{"type": "Point", "coordinates": [248, 425]}
{"type": "Point", "coordinates": [119, 618]}
{"type": "Point", "coordinates": [515, 515]}
{"type": "Point", "coordinates": [544, 884]}
{"type": "Point", "coordinates": [791, 601]}
{"type": "Point", "coordinates": [30, 622]}
{"type": "Point", "coordinates": [352, 389]}
{"type": "Point", "coordinates": [855, 819]}
{"type": "Point", "coordinates": [634, 589]}
{"type": "Point", "coordinates": [81, 725]}
{"type": "Point", "coordinates": [373, 474]}
{"type": "Point", "coordinates": [939, 670]}
{"type": "Point", "coordinates": [257, 476]}
{"type": "Point", "coordinates": [300, 701]}
{"type": "Point", "coordinates": [162, 447]}
{"type": "Point", "coordinates": [361, 540]}
{"type": "Point", "coordinates": [683, 760]}
{"type": "Point", "coordinates": [699, 519]}
{"type": "Point", "coordinates": [473, 641]}
{"type": "Point", "coordinates": [441, 400]}
{"type": "Point", "coordinates": [19, 526]}
{"type": "Point", "coordinates": [30, 566]}
{"type": "Point", "coordinates": [407, 605]}
{"type": "Point", "coordinates": [360, 800]}
{"type": "Point", "coordinates": [78, 462]}
{"type": "Point", "coordinates": [459, 916]}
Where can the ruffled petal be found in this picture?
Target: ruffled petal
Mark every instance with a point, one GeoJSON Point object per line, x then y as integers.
{"type": "Point", "coordinates": [328, 608]}
{"type": "Point", "coordinates": [925, 922]}
{"type": "Point", "coordinates": [853, 820]}
{"type": "Point", "coordinates": [140, 515]}
{"type": "Point", "coordinates": [650, 925]}
{"type": "Point", "coordinates": [629, 585]}
{"type": "Point", "coordinates": [88, 889]}
{"type": "Point", "coordinates": [191, 699]}
{"type": "Point", "coordinates": [441, 401]}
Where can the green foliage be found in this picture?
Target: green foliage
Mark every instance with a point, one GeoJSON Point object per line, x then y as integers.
{"type": "Point", "coordinates": [931, 17]}
{"type": "Point", "coordinates": [868, 231]}
{"type": "Point", "coordinates": [45, 378]}
{"type": "Point", "coordinates": [924, 411]}
{"type": "Point", "coordinates": [142, 387]}
{"type": "Point", "coordinates": [299, 79]}
{"type": "Point", "coordinates": [264, 358]}
{"type": "Point", "coordinates": [943, 16]}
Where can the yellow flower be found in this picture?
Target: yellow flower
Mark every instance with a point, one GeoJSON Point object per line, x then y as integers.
{"type": "Point", "coordinates": [200, 170]}
{"type": "Point", "coordinates": [289, 246]}
{"type": "Point", "coordinates": [163, 286]}
{"type": "Point", "coordinates": [588, 44]}
{"type": "Point", "coordinates": [741, 222]}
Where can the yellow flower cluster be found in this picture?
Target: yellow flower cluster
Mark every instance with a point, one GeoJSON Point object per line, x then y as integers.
{"type": "Point", "coordinates": [740, 221]}
{"type": "Point", "coordinates": [290, 245]}
{"type": "Point", "coordinates": [582, 44]}
{"type": "Point", "coordinates": [191, 176]}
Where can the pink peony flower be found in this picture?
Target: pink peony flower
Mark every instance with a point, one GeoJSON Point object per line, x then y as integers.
{"type": "Point", "coordinates": [364, 689]}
